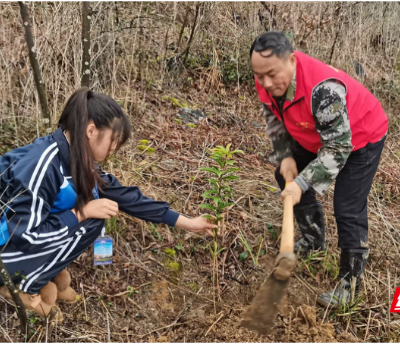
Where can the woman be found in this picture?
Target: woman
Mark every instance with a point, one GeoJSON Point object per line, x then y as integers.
{"type": "Point", "coordinates": [57, 199]}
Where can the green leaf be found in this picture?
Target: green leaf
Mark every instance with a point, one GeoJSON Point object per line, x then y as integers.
{"type": "Point", "coordinates": [238, 152]}
{"type": "Point", "coordinates": [207, 206]}
{"type": "Point", "coordinates": [221, 249]}
{"type": "Point", "coordinates": [210, 169]}
{"type": "Point", "coordinates": [179, 247]}
{"type": "Point", "coordinates": [209, 193]}
{"type": "Point", "coordinates": [227, 194]}
{"type": "Point", "coordinates": [222, 207]}
{"type": "Point", "coordinates": [225, 187]}
{"type": "Point", "coordinates": [222, 148]}
{"type": "Point", "coordinates": [230, 162]}
{"type": "Point", "coordinates": [220, 163]}
{"type": "Point", "coordinates": [209, 217]}
{"type": "Point", "coordinates": [243, 256]}
{"type": "Point", "coordinates": [231, 177]}
{"type": "Point", "coordinates": [213, 182]}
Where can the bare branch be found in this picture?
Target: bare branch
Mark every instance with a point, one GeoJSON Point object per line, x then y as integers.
{"type": "Point", "coordinates": [40, 86]}
{"type": "Point", "coordinates": [86, 18]}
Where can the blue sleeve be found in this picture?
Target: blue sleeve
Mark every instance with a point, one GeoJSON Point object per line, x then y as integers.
{"type": "Point", "coordinates": [33, 190]}
{"type": "Point", "coordinates": [131, 201]}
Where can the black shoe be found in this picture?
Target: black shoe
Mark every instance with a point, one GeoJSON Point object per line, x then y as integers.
{"type": "Point", "coordinates": [311, 221]}
{"type": "Point", "coordinates": [352, 264]}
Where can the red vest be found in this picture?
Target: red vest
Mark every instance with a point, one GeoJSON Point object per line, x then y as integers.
{"type": "Point", "coordinates": [368, 121]}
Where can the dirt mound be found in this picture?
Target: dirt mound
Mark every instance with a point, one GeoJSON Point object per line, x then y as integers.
{"type": "Point", "coordinates": [305, 328]}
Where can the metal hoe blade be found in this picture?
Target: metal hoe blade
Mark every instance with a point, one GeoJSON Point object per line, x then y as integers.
{"type": "Point", "coordinates": [260, 315]}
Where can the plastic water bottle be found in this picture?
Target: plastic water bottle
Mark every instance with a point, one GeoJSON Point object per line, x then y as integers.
{"type": "Point", "coordinates": [4, 235]}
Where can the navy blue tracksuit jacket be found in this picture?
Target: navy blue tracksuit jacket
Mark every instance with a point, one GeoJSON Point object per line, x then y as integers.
{"type": "Point", "coordinates": [45, 236]}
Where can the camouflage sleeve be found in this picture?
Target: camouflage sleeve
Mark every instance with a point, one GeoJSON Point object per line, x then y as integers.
{"type": "Point", "coordinates": [282, 142]}
{"type": "Point", "coordinates": [332, 123]}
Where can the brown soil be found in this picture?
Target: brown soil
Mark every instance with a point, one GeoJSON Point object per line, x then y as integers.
{"type": "Point", "coordinates": [164, 306]}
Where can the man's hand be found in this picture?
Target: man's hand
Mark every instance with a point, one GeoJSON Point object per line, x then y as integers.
{"type": "Point", "coordinates": [289, 169]}
{"type": "Point", "coordinates": [294, 190]}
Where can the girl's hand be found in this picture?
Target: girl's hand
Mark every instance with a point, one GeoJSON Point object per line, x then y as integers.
{"type": "Point", "coordinates": [197, 225]}
{"type": "Point", "coordinates": [97, 209]}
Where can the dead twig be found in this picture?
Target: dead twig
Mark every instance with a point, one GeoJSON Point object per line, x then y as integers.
{"type": "Point", "coordinates": [184, 310]}
{"type": "Point", "coordinates": [214, 323]}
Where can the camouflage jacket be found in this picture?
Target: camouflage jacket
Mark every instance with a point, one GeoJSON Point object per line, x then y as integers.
{"type": "Point", "coordinates": [331, 122]}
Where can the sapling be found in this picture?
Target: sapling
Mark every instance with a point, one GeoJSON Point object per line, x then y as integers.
{"type": "Point", "coordinates": [220, 191]}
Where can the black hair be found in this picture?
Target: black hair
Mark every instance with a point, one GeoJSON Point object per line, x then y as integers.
{"type": "Point", "coordinates": [276, 41]}
{"type": "Point", "coordinates": [82, 107]}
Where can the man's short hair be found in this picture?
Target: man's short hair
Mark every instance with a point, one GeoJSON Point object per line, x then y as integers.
{"type": "Point", "coordinates": [276, 41]}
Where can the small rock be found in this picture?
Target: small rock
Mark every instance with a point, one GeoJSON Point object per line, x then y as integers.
{"type": "Point", "coordinates": [191, 116]}
{"type": "Point", "coordinates": [139, 316]}
{"type": "Point", "coordinates": [256, 125]}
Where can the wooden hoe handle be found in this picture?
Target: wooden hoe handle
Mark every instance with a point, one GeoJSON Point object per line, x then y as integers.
{"type": "Point", "coordinates": [286, 261]}
{"type": "Point", "coordinates": [287, 237]}
{"type": "Point", "coordinates": [287, 243]}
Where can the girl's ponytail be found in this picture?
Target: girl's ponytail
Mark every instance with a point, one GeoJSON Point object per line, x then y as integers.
{"type": "Point", "coordinates": [84, 106]}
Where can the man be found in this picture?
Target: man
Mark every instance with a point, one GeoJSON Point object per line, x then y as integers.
{"type": "Point", "coordinates": [324, 126]}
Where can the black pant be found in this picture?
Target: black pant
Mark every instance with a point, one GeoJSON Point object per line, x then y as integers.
{"type": "Point", "coordinates": [353, 185]}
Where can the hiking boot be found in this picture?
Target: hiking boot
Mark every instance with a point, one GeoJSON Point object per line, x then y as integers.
{"type": "Point", "coordinates": [64, 291]}
{"type": "Point", "coordinates": [35, 303]}
{"type": "Point", "coordinates": [68, 295]}
{"type": "Point", "coordinates": [352, 266]}
{"type": "Point", "coordinates": [49, 293]}
{"type": "Point", "coordinates": [311, 221]}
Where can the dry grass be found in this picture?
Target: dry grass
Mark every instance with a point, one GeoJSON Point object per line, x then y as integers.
{"type": "Point", "coordinates": [136, 59]}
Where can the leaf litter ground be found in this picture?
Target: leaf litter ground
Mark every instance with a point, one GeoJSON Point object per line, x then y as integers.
{"type": "Point", "coordinates": [161, 285]}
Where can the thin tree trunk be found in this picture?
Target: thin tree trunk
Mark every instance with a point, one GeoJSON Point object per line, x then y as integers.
{"type": "Point", "coordinates": [185, 20]}
{"type": "Point", "coordinates": [5, 276]}
{"type": "Point", "coordinates": [337, 26]}
{"type": "Point", "coordinates": [40, 86]}
{"type": "Point", "coordinates": [192, 33]}
{"type": "Point", "coordinates": [86, 18]}
{"type": "Point", "coordinates": [333, 46]}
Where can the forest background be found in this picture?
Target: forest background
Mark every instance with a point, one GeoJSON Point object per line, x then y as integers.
{"type": "Point", "coordinates": [169, 64]}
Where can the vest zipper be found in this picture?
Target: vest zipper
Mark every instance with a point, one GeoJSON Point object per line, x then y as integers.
{"type": "Point", "coordinates": [293, 104]}
{"type": "Point", "coordinates": [277, 109]}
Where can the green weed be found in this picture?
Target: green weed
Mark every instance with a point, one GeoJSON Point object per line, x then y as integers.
{"type": "Point", "coordinates": [111, 226]}
{"type": "Point", "coordinates": [272, 231]}
{"type": "Point", "coordinates": [154, 232]}
{"type": "Point", "coordinates": [246, 244]}
{"type": "Point", "coordinates": [147, 149]}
